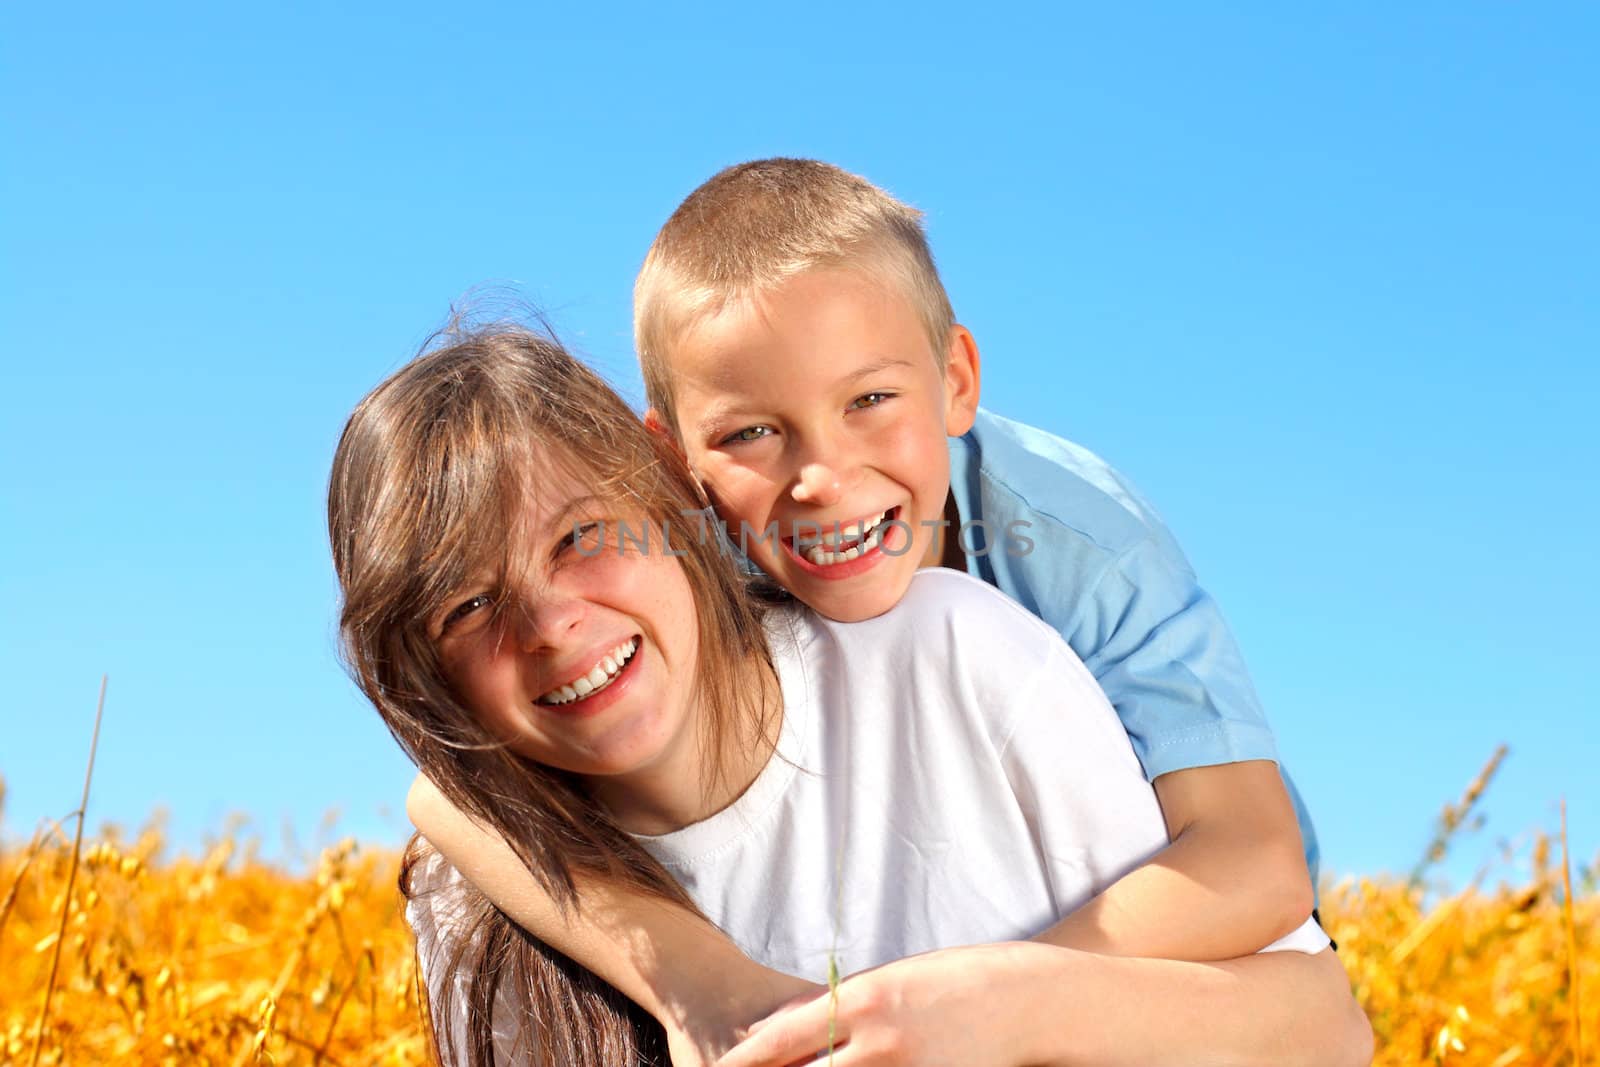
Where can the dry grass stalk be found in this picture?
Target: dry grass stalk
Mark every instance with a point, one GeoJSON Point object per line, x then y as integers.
{"type": "Point", "coordinates": [1454, 816]}
{"type": "Point", "coordinates": [1574, 994]}
{"type": "Point", "coordinates": [72, 874]}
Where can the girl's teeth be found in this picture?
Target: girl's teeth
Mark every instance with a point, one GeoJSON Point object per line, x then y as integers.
{"type": "Point", "coordinates": [598, 677]}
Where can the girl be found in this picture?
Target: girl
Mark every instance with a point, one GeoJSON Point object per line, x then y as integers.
{"type": "Point", "coordinates": [579, 671]}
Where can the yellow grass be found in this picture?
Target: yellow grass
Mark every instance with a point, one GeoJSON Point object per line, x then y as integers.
{"type": "Point", "coordinates": [227, 960]}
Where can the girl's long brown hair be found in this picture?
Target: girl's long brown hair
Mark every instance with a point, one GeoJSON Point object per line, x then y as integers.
{"type": "Point", "coordinates": [427, 488]}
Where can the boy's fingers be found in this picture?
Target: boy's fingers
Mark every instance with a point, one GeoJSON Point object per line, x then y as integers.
{"type": "Point", "coordinates": [789, 1036]}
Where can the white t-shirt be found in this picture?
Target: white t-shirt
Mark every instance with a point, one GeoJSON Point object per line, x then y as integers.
{"type": "Point", "coordinates": [947, 774]}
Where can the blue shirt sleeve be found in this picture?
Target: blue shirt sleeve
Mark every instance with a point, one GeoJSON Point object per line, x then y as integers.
{"type": "Point", "coordinates": [1166, 659]}
{"type": "Point", "coordinates": [1076, 545]}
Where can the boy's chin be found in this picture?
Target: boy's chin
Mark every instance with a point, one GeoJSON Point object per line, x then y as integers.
{"type": "Point", "coordinates": [867, 600]}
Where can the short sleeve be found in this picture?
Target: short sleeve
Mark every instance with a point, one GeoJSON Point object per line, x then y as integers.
{"type": "Point", "coordinates": [1308, 937]}
{"type": "Point", "coordinates": [1159, 647]}
{"type": "Point", "coordinates": [434, 913]}
{"type": "Point", "coordinates": [437, 902]}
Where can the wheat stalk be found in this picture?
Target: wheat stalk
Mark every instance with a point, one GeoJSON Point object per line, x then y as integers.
{"type": "Point", "coordinates": [1575, 1000]}
{"type": "Point", "coordinates": [72, 874]}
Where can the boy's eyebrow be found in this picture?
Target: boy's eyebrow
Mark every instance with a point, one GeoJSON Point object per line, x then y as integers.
{"type": "Point", "coordinates": [719, 413]}
{"type": "Point", "coordinates": [874, 368]}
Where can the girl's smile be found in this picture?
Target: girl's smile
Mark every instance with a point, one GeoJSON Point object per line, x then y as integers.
{"type": "Point", "coordinates": [584, 660]}
{"type": "Point", "coordinates": [591, 683]}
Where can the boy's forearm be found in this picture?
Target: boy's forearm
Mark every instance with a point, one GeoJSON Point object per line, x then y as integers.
{"type": "Point", "coordinates": [1232, 881]}
{"type": "Point", "coordinates": [674, 964]}
{"type": "Point", "coordinates": [1195, 900]}
{"type": "Point", "coordinates": [1024, 1003]}
{"type": "Point", "coordinates": [1281, 1008]}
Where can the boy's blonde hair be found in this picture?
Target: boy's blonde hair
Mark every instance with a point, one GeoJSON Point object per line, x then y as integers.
{"type": "Point", "coordinates": [755, 225]}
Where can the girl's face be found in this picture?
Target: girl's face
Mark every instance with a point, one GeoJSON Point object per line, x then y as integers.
{"type": "Point", "coordinates": [590, 665]}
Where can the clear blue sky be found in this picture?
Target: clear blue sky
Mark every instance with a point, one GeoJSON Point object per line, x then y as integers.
{"type": "Point", "coordinates": [1325, 284]}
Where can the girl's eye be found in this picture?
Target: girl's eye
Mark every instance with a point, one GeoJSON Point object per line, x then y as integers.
{"type": "Point", "coordinates": [465, 610]}
{"type": "Point", "coordinates": [587, 537]}
{"type": "Point", "coordinates": [749, 433]}
{"type": "Point", "coordinates": [869, 400]}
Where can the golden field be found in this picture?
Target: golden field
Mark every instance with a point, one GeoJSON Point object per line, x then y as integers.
{"type": "Point", "coordinates": [228, 960]}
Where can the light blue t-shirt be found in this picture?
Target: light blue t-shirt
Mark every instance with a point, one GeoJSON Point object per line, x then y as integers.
{"type": "Point", "coordinates": [1056, 529]}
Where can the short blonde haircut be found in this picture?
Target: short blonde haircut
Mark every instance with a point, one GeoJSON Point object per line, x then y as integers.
{"type": "Point", "coordinates": [753, 226]}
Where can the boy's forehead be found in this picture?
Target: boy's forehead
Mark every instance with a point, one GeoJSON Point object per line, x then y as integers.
{"type": "Point", "coordinates": [820, 328]}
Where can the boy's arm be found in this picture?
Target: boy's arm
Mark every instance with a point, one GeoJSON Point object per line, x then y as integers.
{"type": "Point", "coordinates": [1233, 879]}
{"type": "Point", "coordinates": [674, 964]}
{"type": "Point", "coordinates": [1019, 1004]}
{"type": "Point", "coordinates": [1235, 876]}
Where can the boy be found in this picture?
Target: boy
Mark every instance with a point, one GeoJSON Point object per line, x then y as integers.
{"type": "Point", "coordinates": [798, 347]}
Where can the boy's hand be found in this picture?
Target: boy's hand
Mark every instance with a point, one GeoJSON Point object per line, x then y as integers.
{"type": "Point", "coordinates": [960, 1006]}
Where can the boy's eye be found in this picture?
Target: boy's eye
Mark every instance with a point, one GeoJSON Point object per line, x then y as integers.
{"type": "Point", "coordinates": [869, 400]}
{"type": "Point", "coordinates": [465, 610]}
{"type": "Point", "coordinates": [749, 433]}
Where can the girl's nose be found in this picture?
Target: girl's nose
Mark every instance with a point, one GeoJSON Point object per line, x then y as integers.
{"type": "Point", "coordinates": [545, 620]}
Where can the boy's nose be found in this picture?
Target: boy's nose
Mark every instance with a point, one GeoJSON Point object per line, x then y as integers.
{"type": "Point", "coordinates": [818, 484]}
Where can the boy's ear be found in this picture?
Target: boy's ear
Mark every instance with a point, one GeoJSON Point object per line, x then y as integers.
{"type": "Point", "coordinates": [961, 379]}
{"type": "Point", "coordinates": [657, 425]}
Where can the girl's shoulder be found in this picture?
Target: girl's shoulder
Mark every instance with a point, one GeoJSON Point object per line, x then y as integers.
{"type": "Point", "coordinates": [953, 626]}
{"type": "Point", "coordinates": [939, 605]}
{"type": "Point", "coordinates": [940, 588]}
{"type": "Point", "coordinates": [970, 610]}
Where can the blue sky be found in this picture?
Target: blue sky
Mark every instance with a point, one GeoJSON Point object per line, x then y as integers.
{"type": "Point", "coordinates": [1323, 284]}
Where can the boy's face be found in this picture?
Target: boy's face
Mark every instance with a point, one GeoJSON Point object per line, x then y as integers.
{"type": "Point", "coordinates": [819, 413]}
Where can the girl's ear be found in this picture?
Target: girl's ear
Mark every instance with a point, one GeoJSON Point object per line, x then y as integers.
{"type": "Point", "coordinates": [656, 424]}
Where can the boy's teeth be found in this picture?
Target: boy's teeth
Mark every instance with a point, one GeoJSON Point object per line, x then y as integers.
{"type": "Point", "coordinates": [822, 557]}
{"type": "Point", "coordinates": [599, 676]}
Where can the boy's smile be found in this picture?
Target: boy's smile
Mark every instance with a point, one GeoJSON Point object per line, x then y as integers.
{"type": "Point", "coordinates": [816, 415]}
{"type": "Point", "coordinates": [825, 552]}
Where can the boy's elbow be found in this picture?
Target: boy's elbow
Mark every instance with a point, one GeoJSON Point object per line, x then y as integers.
{"type": "Point", "coordinates": [1290, 898]}
{"type": "Point", "coordinates": [1295, 898]}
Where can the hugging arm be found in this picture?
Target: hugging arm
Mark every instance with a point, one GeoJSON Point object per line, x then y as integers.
{"type": "Point", "coordinates": [671, 962]}
{"type": "Point", "coordinates": [1022, 1004]}
{"type": "Point", "coordinates": [1235, 875]}
{"type": "Point", "coordinates": [1233, 879]}
{"type": "Point", "coordinates": [1031, 1005]}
